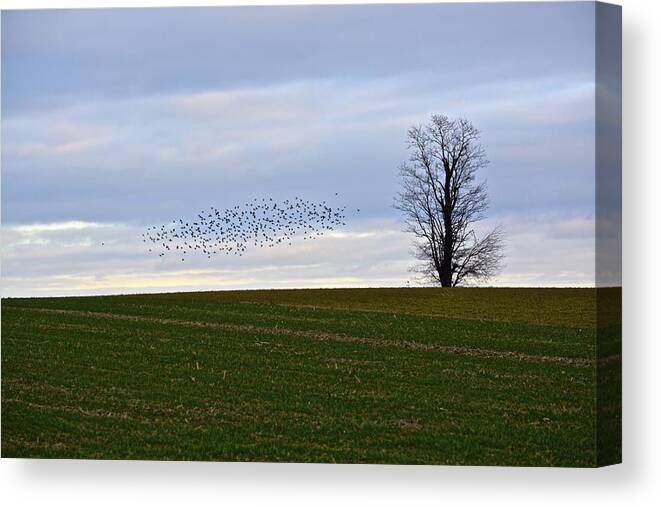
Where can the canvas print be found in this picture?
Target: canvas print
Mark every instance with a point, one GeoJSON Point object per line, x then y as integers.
{"type": "Point", "coordinates": [381, 234]}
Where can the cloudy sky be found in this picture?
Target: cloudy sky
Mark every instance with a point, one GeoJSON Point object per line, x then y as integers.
{"type": "Point", "coordinates": [115, 120]}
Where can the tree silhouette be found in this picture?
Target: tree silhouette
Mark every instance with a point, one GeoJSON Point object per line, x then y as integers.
{"type": "Point", "coordinates": [441, 201]}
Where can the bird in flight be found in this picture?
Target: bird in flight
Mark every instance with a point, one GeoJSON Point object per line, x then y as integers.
{"type": "Point", "coordinates": [259, 223]}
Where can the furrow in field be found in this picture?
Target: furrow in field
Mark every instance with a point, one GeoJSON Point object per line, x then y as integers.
{"type": "Point", "coordinates": [325, 336]}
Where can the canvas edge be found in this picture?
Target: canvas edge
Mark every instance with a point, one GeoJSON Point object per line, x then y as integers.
{"type": "Point", "coordinates": [608, 233]}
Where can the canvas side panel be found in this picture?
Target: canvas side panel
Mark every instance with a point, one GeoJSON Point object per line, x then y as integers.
{"type": "Point", "coordinates": [608, 270]}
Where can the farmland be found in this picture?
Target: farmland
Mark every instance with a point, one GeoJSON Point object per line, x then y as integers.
{"type": "Point", "coordinates": [415, 376]}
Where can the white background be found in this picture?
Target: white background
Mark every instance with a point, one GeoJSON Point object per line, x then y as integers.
{"type": "Point", "coordinates": [636, 482]}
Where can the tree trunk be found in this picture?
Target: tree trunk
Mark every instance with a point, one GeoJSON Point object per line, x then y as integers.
{"type": "Point", "coordinates": [445, 275]}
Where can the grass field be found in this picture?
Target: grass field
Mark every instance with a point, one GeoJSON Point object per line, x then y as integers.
{"type": "Point", "coordinates": [434, 376]}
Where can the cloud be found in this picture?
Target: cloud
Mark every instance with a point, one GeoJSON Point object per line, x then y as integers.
{"type": "Point", "coordinates": [170, 155]}
{"type": "Point", "coordinates": [61, 56]}
{"type": "Point", "coordinates": [549, 250]}
{"type": "Point", "coordinates": [115, 119]}
{"type": "Point", "coordinates": [346, 135]}
{"type": "Point", "coordinates": [72, 225]}
{"type": "Point", "coordinates": [69, 258]}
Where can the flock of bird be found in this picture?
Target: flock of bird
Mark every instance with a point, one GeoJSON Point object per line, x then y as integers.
{"type": "Point", "coordinates": [260, 223]}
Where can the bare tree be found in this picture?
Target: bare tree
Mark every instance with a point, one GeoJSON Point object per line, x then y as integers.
{"type": "Point", "coordinates": [441, 201]}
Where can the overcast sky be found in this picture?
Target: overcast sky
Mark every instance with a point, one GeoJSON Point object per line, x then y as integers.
{"type": "Point", "coordinates": [117, 119]}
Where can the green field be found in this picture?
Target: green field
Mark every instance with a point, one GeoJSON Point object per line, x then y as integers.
{"type": "Point", "coordinates": [434, 376]}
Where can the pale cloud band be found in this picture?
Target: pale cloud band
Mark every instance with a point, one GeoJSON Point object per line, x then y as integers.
{"type": "Point", "coordinates": [90, 258]}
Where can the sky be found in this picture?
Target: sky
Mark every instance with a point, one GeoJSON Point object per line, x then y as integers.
{"type": "Point", "coordinates": [114, 120]}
